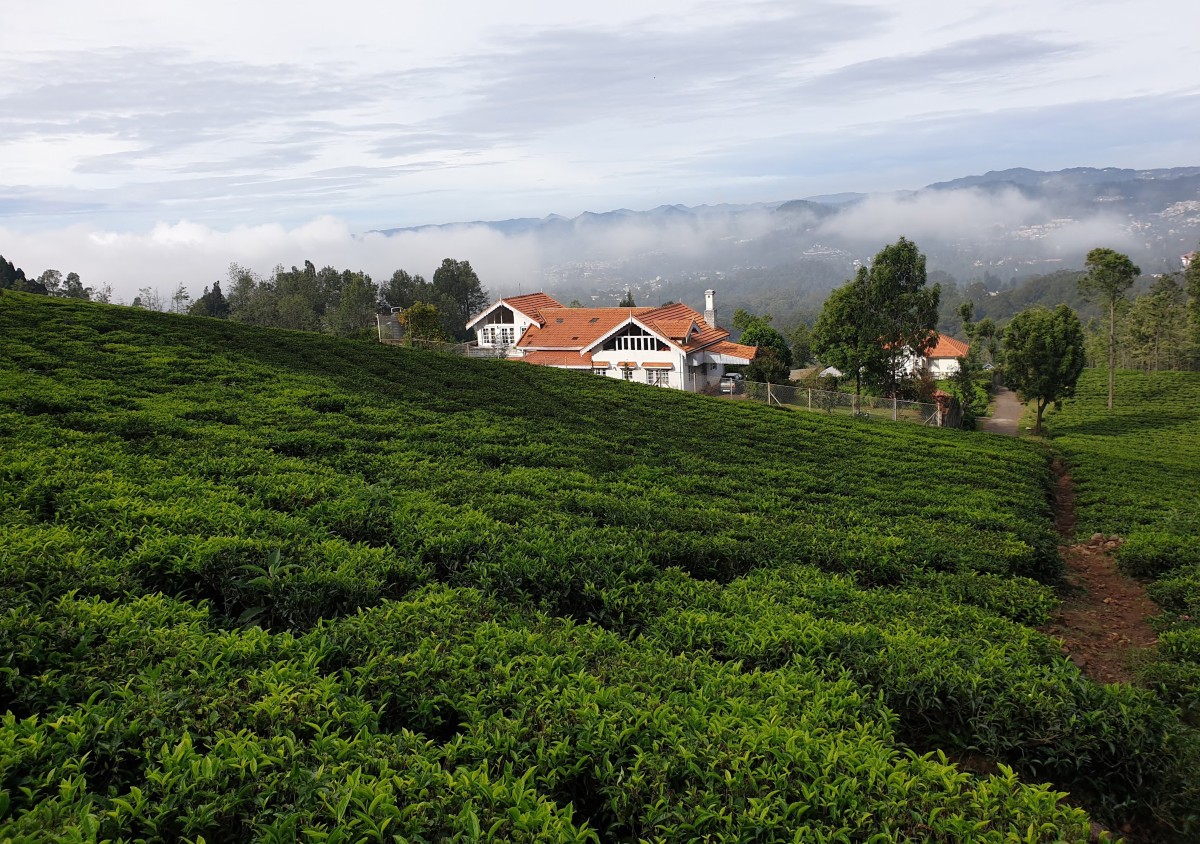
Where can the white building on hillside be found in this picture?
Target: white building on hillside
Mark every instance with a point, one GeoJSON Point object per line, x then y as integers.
{"type": "Point", "coordinates": [670, 346]}
{"type": "Point", "coordinates": [942, 358]}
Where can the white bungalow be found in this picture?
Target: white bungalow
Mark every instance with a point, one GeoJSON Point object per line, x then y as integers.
{"type": "Point", "coordinates": [670, 346]}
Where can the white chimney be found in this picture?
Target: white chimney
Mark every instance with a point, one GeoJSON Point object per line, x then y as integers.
{"type": "Point", "coordinates": [710, 308]}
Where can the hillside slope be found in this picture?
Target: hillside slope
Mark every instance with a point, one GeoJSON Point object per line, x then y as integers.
{"type": "Point", "coordinates": [1137, 469]}
{"type": "Point", "coordinates": [260, 584]}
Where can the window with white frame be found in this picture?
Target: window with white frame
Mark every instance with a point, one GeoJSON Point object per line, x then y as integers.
{"type": "Point", "coordinates": [634, 339]}
{"type": "Point", "coordinates": [627, 373]}
{"type": "Point", "coordinates": [499, 335]}
{"type": "Point", "coordinates": [658, 377]}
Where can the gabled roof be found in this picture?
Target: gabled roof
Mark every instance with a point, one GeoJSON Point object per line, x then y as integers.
{"type": "Point", "coordinates": [557, 328]}
{"type": "Point", "coordinates": [675, 321]}
{"type": "Point", "coordinates": [530, 304]}
{"type": "Point", "coordinates": [575, 328]}
{"type": "Point", "coordinates": [947, 347]}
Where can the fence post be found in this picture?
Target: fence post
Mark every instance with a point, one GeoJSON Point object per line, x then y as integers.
{"type": "Point", "coordinates": [810, 398]}
{"type": "Point", "coordinates": [769, 397]}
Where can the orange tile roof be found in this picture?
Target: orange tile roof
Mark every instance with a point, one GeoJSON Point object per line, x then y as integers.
{"type": "Point", "coordinates": [706, 334]}
{"type": "Point", "coordinates": [947, 347]}
{"type": "Point", "coordinates": [569, 359]}
{"type": "Point", "coordinates": [675, 329]}
{"type": "Point", "coordinates": [562, 328]}
{"type": "Point", "coordinates": [734, 349]}
{"type": "Point", "coordinates": [530, 304]}
{"type": "Point", "coordinates": [574, 328]}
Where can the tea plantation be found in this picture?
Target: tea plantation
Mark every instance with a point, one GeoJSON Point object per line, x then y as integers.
{"type": "Point", "coordinates": [259, 585]}
{"type": "Point", "coordinates": [1137, 469]}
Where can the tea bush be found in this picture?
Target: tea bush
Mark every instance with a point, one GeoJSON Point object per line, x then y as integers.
{"type": "Point", "coordinates": [259, 585]}
{"type": "Point", "coordinates": [1135, 469]}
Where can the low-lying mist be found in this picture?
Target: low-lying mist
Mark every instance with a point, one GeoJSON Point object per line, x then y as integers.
{"type": "Point", "coordinates": [962, 231]}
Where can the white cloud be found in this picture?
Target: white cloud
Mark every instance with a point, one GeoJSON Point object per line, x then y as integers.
{"type": "Point", "coordinates": [197, 255]}
{"type": "Point", "coordinates": [229, 113]}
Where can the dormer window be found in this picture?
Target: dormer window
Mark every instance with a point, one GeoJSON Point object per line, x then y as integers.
{"type": "Point", "coordinates": [634, 339]}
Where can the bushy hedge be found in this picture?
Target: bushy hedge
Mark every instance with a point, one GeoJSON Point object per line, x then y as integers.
{"type": "Point", "coordinates": [1135, 469]}
{"type": "Point", "coordinates": [261, 585]}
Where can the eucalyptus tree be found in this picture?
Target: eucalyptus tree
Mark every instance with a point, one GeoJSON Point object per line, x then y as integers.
{"type": "Point", "coordinates": [1110, 274]}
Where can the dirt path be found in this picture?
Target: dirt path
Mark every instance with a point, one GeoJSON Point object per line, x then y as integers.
{"type": "Point", "coordinates": [1006, 413]}
{"type": "Point", "coordinates": [1102, 620]}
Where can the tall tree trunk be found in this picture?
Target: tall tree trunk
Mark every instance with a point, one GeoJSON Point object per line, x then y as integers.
{"type": "Point", "coordinates": [1112, 347]}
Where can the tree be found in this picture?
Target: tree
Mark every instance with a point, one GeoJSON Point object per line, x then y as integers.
{"type": "Point", "coordinates": [906, 311]}
{"type": "Point", "coordinates": [211, 304]}
{"type": "Point", "coordinates": [845, 335]}
{"type": "Point", "coordinates": [356, 305]}
{"type": "Point", "coordinates": [743, 319]}
{"type": "Point", "coordinates": [759, 333]}
{"type": "Point", "coordinates": [11, 277]}
{"type": "Point", "coordinates": [627, 300]}
{"type": "Point", "coordinates": [51, 282]}
{"type": "Point", "coordinates": [767, 368]}
{"type": "Point", "coordinates": [963, 382]}
{"type": "Point", "coordinates": [150, 299]}
{"type": "Point", "coordinates": [575, 303]}
{"type": "Point", "coordinates": [404, 290]}
{"type": "Point", "coordinates": [73, 288]}
{"type": "Point", "coordinates": [801, 343]}
{"type": "Point", "coordinates": [423, 322]}
{"type": "Point", "coordinates": [180, 299]}
{"type": "Point", "coordinates": [1109, 275]}
{"type": "Point", "coordinates": [986, 333]}
{"type": "Point", "coordinates": [1154, 327]}
{"type": "Point", "coordinates": [1043, 356]}
{"type": "Point", "coordinates": [1191, 280]}
{"type": "Point", "coordinates": [966, 313]}
{"type": "Point", "coordinates": [458, 283]}
{"type": "Point", "coordinates": [872, 325]}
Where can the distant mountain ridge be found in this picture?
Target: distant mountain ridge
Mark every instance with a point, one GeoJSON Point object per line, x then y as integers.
{"type": "Point", "coordinates": [996, 228]}
{"type": "Point", "coordinates": [1129, 189]}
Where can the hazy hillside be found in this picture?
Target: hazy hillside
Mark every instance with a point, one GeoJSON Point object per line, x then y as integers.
{"type": "Point", "coordinates": [260, 585]}
{"type": "Point", "coordinates": [1003, 225]}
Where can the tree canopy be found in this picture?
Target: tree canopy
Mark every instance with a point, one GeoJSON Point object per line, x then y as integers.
{"type": "Point", "coordinates": [459, 284]}
{"type": "Point", "coordinates": [423, 322]}
{"type": "Point", "coordinates": [1109, 275]}
{"type": "Point", "coordinates": [759, 333]}
{"type": "Point", "coordinates": [1043, 356]}
{"type": "Point", "coordinates": [873, 323]}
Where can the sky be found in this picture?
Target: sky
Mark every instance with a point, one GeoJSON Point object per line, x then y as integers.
{"type": "Point", "coordinates": [135, 133]}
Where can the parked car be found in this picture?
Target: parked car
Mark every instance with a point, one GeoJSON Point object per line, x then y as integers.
{"type": "Point", "coordinates": [732, 383]}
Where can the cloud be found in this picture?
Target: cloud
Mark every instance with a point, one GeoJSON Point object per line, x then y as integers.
{"type": "Point", "coordinates": [985, 61]}
{"type": "Point", "coordinates": [654, 72]}
{"type": "Point", "coordinates": [195, 255]}
{"type": "Point", "coordinates": [941, 215]}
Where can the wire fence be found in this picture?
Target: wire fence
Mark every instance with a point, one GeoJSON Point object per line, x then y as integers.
{"type": "Point", "coordinates": [834, 403]}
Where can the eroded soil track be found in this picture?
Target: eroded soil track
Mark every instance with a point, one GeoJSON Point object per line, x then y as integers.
{"type": "Point", "coordinates": [1103, 618]}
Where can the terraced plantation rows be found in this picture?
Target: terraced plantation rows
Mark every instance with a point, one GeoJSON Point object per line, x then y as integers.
{"type": "Point", "coordinates": [1137, 471]}
{"type": "Point", "coordinates": [266, 586]}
